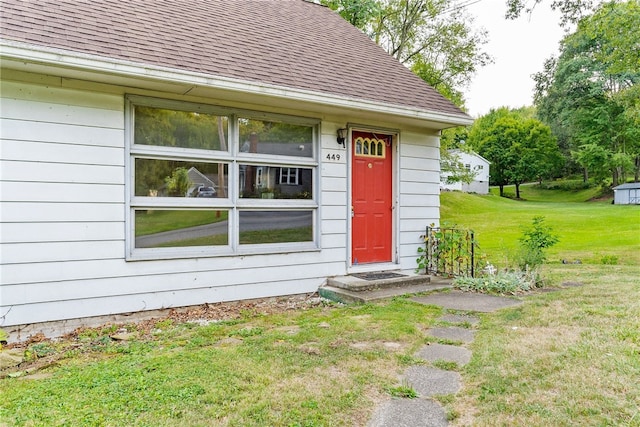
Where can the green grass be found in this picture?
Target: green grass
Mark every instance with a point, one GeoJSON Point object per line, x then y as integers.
{"type": "Point", "coordinates": [157, 221]}
{"type": "Point", "coordinates": [285, 235]}
{"type": "Point", "coordinates": [315, 367]}
{"type": "Point", "coordinates": [588, 231]}
{"type": "Point", "coordinates": [564, 358]}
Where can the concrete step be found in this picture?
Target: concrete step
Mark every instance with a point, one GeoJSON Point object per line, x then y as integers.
{"type": "Point", "coordinates": [377, 280]}
{"type": "Point", "coordinates": [347, 296]}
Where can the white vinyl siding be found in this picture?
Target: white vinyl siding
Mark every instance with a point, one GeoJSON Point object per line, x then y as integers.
{"type": "Point", "coordinates": [419, 192]}
{"type": "Point", "coordinates": [62, 218]}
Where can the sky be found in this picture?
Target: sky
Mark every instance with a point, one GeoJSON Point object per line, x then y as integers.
{"type": "Point", "coordinates": [519, 49]}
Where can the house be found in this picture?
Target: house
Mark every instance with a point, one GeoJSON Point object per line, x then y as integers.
{"type": "Point", "coordinates": [106, 103]}
{"type": "Point", "coordinates": [627, 194]}
{"type": "Point", "coordinates": [471, 162]}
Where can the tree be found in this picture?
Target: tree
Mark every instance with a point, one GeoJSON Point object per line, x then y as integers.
{"type": "Point", "coordinates": [178, 183]}
{"type": "Point", "coordinates": [436, 39]}
{"type": "Point", "coordinates": [535, 156]}
{"type": "Point", "coordinates": [491, 136]}
{"type": "Point", "coordinates": [450, 166]}
{"type": "Point", "coordinates": [520, 149]}
{"type": "Point", "coordinates": [572, 10]}
{"type": "Point", "coordinates": [588, 95]}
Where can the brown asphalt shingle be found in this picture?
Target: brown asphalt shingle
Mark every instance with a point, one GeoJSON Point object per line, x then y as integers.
{"type": "Point", "coordinates": [288, 43]}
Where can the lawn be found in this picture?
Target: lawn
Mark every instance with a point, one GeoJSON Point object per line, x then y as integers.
{"type": "Point", "coordinates": [588, 231]}
{"type": "Point", "coordinates": [326, 365]}
{"type": "Point", "coordinates": [563, 358]}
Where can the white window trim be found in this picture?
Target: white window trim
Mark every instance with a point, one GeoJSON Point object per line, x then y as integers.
{"type": "Point", "coordinates": [233, 157]}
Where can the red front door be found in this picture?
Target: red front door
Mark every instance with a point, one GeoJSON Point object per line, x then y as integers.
{"type": "Point", "coordinates": [372, 198]}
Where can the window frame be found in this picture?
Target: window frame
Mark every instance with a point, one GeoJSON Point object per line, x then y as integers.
{"type": "Point", "coordinates": [234, 204]}
{"type": "Point", "coordinates": [296, 176]}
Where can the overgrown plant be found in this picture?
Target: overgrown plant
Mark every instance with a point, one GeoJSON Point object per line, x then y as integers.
{"type": "Point", "coordinates": [503, 282]}
{"type": "Point", "coordinates": [533, 243]}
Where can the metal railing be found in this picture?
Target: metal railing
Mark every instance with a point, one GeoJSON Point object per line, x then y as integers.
{"type": "Point", "coordinates": [450, 252]}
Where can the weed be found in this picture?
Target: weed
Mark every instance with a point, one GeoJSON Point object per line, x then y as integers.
{"type": "Point", "coordinates": [248, 331]}
{"type": "Point", "coordinates": [36, 351]}
{"type": "Point", "coordinates": [404, 391]}
{"type": "Point", "coordinates": [445, 365]}
{"type": "Point", "coordinates": [164, 324]}
{"type": "Point", "coordinates": [609, 260]}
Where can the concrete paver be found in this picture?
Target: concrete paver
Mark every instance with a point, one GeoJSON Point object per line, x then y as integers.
{"type": "Point", "coordinates": [431, 381]}
{"type": "Point", "coordinates": [428, 381]}
{"type": "Point", "coordinates": [467, 301]}
{"type": "Point", "coordinates": [459, 318]}
{"type": "Point", "coordinates": [453, 333]}
{"type": "Point", "coordinates": [447, 353]}
{"type": "Point", "coordinates": [409, 413]}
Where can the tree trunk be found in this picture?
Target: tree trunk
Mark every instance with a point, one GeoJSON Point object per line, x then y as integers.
{"type": "Point", "coordinates": [517, 190]}
{"type": "Point", "coordinates": [585, 175]}
{"type": "Point", "coordinates": [501, 190]}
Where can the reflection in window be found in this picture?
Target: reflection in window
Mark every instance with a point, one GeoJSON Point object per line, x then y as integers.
{"type": "Point", "coordinates": [289, 176]}
{"type": "Point", "coordinates": [173, 178]}
{"type": "Point", "coordinates": [258, 227]}
{"type": "Point", "coordinates": [283, 139]}
{"type": "Point", "coordinates": [172, 228]}
{"type": "Point", "coordinates": [186, 129]}
{"type": "Point", "coordinates": [274, 182]}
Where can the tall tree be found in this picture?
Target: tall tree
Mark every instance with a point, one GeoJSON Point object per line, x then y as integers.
{"type": "Point", "coordinates": [520, 149]}
{"type": "Point", "coordinates": [589, 94]}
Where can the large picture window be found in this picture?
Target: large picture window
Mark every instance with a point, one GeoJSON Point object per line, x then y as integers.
{"type": "Point", "coordinates": [207, 181]}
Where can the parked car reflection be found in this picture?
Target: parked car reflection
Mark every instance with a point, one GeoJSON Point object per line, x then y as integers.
{"type": "Point", "coordinates": [205, 192]}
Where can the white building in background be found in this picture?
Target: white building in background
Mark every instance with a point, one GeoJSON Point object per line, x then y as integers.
{"type": "Point", "coordinates": [627, 194]}
{"type": "Point", "coordinates": [471, 162]}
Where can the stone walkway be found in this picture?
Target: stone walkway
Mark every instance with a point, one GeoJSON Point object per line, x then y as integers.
{"type": "Point", "coordinates": [429, 381]}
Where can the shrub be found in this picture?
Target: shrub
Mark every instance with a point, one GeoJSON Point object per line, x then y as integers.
{"type": "Point", "coordinates": [503, 282]}
{"type": "Point", "coordinates": [534, 241]}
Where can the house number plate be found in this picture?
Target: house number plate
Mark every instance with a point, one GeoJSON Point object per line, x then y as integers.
{"type": "Point", "coordinates": [334, 156]}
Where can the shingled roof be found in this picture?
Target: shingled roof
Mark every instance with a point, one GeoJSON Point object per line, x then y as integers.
{"type": "Point", "coordinates": [285, 43]}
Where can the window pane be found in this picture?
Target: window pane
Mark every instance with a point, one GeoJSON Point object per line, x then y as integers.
{"type": "Point", "coordinates": [258, 136]}
{"type": "Point", "coordinates": [179, 228]}
{"type": "Point", "coordinates": [275, 182]}
{"type": "Point", "coordinates": [275, 227]}
{"type": "Point", "coordinates": [173, 178]}
{"type": "Point", "coordinates": [186, 129]}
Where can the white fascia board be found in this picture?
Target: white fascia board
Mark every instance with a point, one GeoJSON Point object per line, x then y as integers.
{"type": "Point", "coordinates": [60, 58]}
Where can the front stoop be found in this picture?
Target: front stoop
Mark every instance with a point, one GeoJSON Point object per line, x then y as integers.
{"type": "Point", "coordinates": [352, 289]}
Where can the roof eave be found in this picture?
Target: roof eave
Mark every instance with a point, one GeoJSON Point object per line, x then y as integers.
{"type": "Point", "coordinates": [19, 55]}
